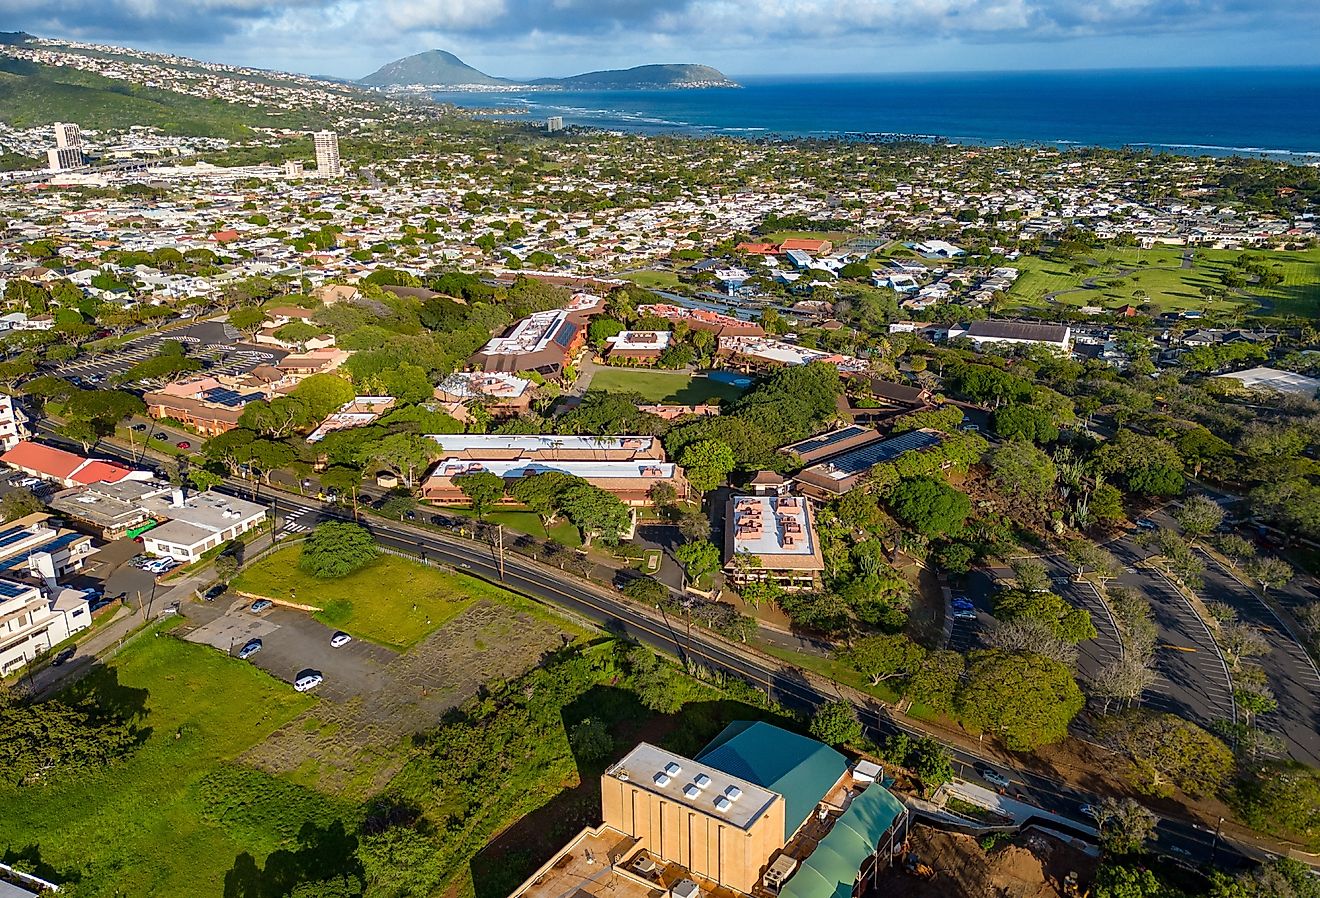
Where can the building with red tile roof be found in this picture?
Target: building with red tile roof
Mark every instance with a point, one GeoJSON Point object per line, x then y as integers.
{"type": "Point", "coordinates": [806, 245]}
{"type": "Point", "coordinates": [65, 468]}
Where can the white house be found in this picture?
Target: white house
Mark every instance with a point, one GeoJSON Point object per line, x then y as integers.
{"type": "Point", "coordinates": [198, 523]}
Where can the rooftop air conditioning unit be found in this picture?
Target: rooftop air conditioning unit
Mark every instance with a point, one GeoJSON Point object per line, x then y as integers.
{"type": "Point", "coordinates": [673, 769]}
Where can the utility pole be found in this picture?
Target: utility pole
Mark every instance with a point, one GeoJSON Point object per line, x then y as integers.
{"type": "Point", "coordinates": [1214, 848]}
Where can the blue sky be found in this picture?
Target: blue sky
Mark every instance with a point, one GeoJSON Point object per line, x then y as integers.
{"type": "Point", "coordinates": [522, 38]}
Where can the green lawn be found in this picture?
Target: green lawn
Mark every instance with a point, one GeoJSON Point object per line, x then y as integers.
{"type": "Point", "coordinates": [177, 815]}
{"type": "Point", "coordinates": [664, 280]}
{"type": "Point", "coordinates": [835, 237]}
{"type": "Point", "coordinates": [392, 602]}
{"type": "Point", "coordinates": [527, 522]}
{"type": "Point", "coordinates": [1168, 286]}
{"type": "Point", "coordinates": [668, 387]}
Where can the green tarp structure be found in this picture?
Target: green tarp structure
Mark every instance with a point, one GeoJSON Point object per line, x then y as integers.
{"type": "Point", "coordinates": [832, 868]}
{"type": "Point", "coordinates": [797, 767]}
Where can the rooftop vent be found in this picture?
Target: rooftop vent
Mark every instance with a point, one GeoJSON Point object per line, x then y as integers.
{"type": "Point", "coordinates": [662, 779]}
{"type": "Point", "coordinates": [733, 793]}
{"type": "Point", "coordinates": [722, 804]}
{"type": "Point", "coordinates": [701, 780]}
{"type": "Point", "coordinates": [673, 769]}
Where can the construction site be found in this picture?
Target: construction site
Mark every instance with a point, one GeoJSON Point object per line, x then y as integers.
{"type": "Point", "coordinates": [938, 864]}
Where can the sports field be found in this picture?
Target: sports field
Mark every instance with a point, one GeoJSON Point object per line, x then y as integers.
{"type": "Point", "coordinates": [669, 387]}
{"type": "Point", "coordinates": [1169, 278]}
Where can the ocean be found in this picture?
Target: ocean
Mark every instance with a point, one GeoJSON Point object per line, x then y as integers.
{"type": "Point", "coordinates": [1268, 112]}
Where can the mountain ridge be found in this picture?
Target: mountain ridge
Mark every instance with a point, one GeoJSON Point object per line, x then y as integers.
{"type": "Point", "coordinates": [440, 68]}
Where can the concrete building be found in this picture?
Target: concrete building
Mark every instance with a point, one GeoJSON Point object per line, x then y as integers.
{"type": "Point", "coordinates": [1276, 380]}
{"type": "Point", "coordinates": [840, 472]}
{"type": "Point", "coordinates": [357, 412]}
{"type": "Point", "coordinates": [204, 403]}
{"type": "Point", "coordinates": [643, 347]}
{"type": "Point", "coordinates": [544, 342]}
{"type": "Point", "coordinates": [554, 123]}
{"type": "Point", "coordinates": [988, 333]}
{"type": "Point", "coordinates": [67, 135]}
{"type": "Point", "coordinates": [763, 353]}
{"type": "Point", "coordinates": [502, 395]}
{"type": "Point", "coordinates": [771, 539]}
{"type": "Point", "coordinates": [13, 424]}
{"type": "Point", "coordinates": [114, 510]}
{"type": "Point", "coordinates": [327, 154]}
{"type": "Point", "coordinates": [32, 622]}
{"type": "Point", "coordinates": [625, 466]}
{"type": "Point", "coordinates": [31, 545]}
{"type": "Point", "coordinates": [67, 152]}
{"type": "Point", "coordinates": [758, 811]}
{"type": "Point", "coordinates": [197, 523]}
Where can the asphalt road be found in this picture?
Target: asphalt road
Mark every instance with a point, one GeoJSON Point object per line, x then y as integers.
{"type": "Point", "coordinates": [784, 684]}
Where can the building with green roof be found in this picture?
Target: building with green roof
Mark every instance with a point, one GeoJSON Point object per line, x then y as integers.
{"type": "Point", "coordinates": [849, 848]}
{"type": "Point", "coordinates": [799, 768]}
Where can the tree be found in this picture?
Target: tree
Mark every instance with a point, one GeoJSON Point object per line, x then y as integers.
{"type": "Point", "coordinates": [1280, 797]}
{"type": "Point", "coordinates": [1166, 750]}
{"type": "Point", "coordinates": [594, 511]}
{"type": "Point", "coordinates": [930, 506]}
{"type": "Point", "coordinates": [482, 489]}
{"type": "Point", "coordinates": [707, 463]}
{"type": "Point", "coordinates": [1268, 572]}
{"type": "Point", "coordinates": [1026, 422]}
{"type": "Point", "coordinates": [1148, 465]}
{"type": "Point", "coordinates": [1124, 826]}
{"type": "Point", "coordinates": [54, 740]}
{"type": "Point", "coordinates": [1123, 680]}
{"type": "Point", "coordinates": [698, 559]}
{"type": "Point", "coordinates": [591, 740]}
{"type": "Point", "coordinates": [694, 525]}
{"type": "Point", "coordinates": [935, 680]}
{"type": "Point", "coordinates": [883, 657]}
{"type": "Point", "coordinates": [1239, 641]}
{"type": "Point", "coordinates": [20, 503]}
{"type": "Point", "coordinates": [835, 723]}
{"type": "Point", "coordinates": [1027, 635]}
{"type": "Point", "coordinates": [1022, 471]}
{"type": "Point", "coordinates": [226, 568]}
{"type": "Point", "coordinates": [248, 319]}
{"type": "Point", "coordinates": [1106, 504]}
{"type": "Point", "coordinates": [541, 493]}
{"type": "Point", "coordinates": [647, 591]}
{"type": "Point", "coordinates": [1199, 516]}
{"type": "Point", "coordinates": [337, 549]}
{"type": "Point", "coordinates": [1097, 560]}
{"type": "Point", "coordinates": [1123, 881]}
{"type": "Point", "coordinates": [1027, 700]}
{"type": "Point", "coordinates": [203, 479]}
{"type": "Point", "coordinates": [1031, 575]}
{"type": "Point", "coordinates": [1064, 621]}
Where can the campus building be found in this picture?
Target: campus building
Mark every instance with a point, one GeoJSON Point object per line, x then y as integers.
{"type": "Point", "coordinates": [65, 468]}
{"type": "Point", "coordinates": [771, 539]}
{"type": "Point", "coordinates": [13, 424]}
{"type": "Point", "coordinates": [703, 320]}
{"type": "Point", "coordinates": [626, 466]}
{"type": "Point", "coordinates": [763, 353]}
{"type": "Point", "coordinates": [838, 470]}
{"type": "Point", "coordinates": [32, 621]}
{"type": "Point", "coordinates": [205, 404]}
{"type": "Point", "coordinates": [989, 333]}
{"type": "Point", "coordinates": [502, 395]}
{"type": "Point", "coordinates": [759, 811]}
{"type": "Point", "coordinates": [545, 342]}
{"type": "Point", "coordinates": [639, 347]}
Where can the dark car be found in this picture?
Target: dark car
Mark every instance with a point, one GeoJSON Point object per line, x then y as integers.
{"type": "Point", "coordinates": [63, 656]}
{"type": "Point", "coordinates": [160, 436]}
{"type": "Point", "coordinates": [261, 605]}
{"type": "Point", "coordinates": [139, 427]}
{"type": "Point", "coordinates": [214, 592]}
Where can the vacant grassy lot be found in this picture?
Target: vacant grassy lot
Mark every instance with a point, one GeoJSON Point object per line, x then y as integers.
{"type": "Point", "coordinates": [528, 522]}
{"type": "Point", "coordinates": [1157, 276]}
{"type": "Point", "coordinates": [392, 602]}
{"type": "Point", "coordinates": [174, 817]}
{"type": "Point", "coordinates": [662, 280]}
{"type": "Point", "coordinates": [668, 387]}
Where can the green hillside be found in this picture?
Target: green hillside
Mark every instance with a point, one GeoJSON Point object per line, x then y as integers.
{"type": "Point", "coordinates": [644, 77]}
{"type": "Point", "coordinates": [431, 67]}
{"type": "Point", "coordinates": [33, 94]}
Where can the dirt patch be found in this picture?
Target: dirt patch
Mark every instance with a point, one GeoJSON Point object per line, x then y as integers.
{"type": "Point", "coordinates": [1031, 866]}
{"type": "Point", "coordinates": [357, 746]}
{"type": "Point", "coordinates": [925, 622]}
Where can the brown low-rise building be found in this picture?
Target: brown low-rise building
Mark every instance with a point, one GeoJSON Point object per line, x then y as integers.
{"type": "Point", "coordinates": [640, 347]}
{"type": "Point", "coordinates": [840, 473]}
{"type": "Point", "coordinates": [545, 342]}
{"type": "Point", "coordinates": [772, 539]}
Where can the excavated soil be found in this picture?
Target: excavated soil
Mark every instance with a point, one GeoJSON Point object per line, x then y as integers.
{"type": "Point", "coordinates": [1032, 866]}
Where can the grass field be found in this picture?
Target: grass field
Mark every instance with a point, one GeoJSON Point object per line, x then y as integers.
{"type": "Point", "coordinates": [1167, 285]}
{"type": "Point", "coordinates": [528, 522]}
{"type": "Point", "coordinates": [664, 280]}
{"type": "Point", "coordinates": [664, 386]}
{"type": "Point", "coordinates": [392, 602]}
{"type": "Point", "coordinates": [177, 815]}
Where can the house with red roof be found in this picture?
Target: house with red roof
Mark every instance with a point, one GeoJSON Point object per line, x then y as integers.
{"type": "Point", "coordinates": [225, 236]}
{"type": "Point", "coordinates": [807, 245]}
{"type": "Point", "coordinates": [65, 468]}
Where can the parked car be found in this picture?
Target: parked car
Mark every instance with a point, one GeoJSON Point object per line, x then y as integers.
{"type": "Point", "coordinates": [993, 776]}
{"type": "Point", "coordinates": [1147, 524]}
{"type": "Point", "coordinates": [964, 614]}
{"type": "Point", "coordinates": [260, 605]}
{"type": "Point", "coordinates": [160, 436]}
{"type": "Point", "coordinates": [183, 444]}
{"type": "Point", "coordinates": [308, 681]}
{"type": "Point", "coordinates": [64, 655]}
{"type": "Point", "coordinates": [340, 638]}
{"type": "Point", "coordinates": [214, 592]}
{"type": "Point", "coordinates": [251, 648]}
{"type": "Point", "coordinates": [139, 427]}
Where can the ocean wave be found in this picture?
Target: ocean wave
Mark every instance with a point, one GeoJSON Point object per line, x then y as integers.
{"type": "Point", "coordinates": [1264, 151]}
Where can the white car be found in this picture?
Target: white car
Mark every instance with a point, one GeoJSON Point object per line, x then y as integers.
{"type": "Point", "coordinates": [307, 681]}
{"type": "Point", "coordinates": [340, 638]}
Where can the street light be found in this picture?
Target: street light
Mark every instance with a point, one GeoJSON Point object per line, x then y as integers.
{"type": "Point", "coordinates": [1214, 848]}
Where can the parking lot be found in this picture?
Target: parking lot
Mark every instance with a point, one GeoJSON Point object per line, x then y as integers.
{"type": "Point", "coordinates": [214, 342]}
{"type": "Point", "coordinates": [292, 642]}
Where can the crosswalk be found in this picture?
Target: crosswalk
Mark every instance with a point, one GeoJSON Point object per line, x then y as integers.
{"type": "Point", "coordinates": [293, 525]}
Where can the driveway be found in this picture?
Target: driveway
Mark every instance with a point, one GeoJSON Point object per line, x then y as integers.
{"type": "Point", "coordinates": [292, 642]}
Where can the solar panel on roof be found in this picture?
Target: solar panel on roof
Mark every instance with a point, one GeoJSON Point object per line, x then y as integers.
{"type": "Point", "coordinates": [13, 535]}
{"type": "Point", "coordinates": [565, 334]}
{"type": "Point", "coordinates": [824, 440]}
{"type": "Point", "coordinates": [869, 456]}
{"type": "Point", "coordinates": [12, 590]}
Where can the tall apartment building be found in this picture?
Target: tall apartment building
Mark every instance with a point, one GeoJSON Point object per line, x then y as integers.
{"type": "Point", "coordinates": [67, 152]}
{"type": "Point", "coordinates": [327, 154]}
{"type": "Point", "coordinates": [554, 123]}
